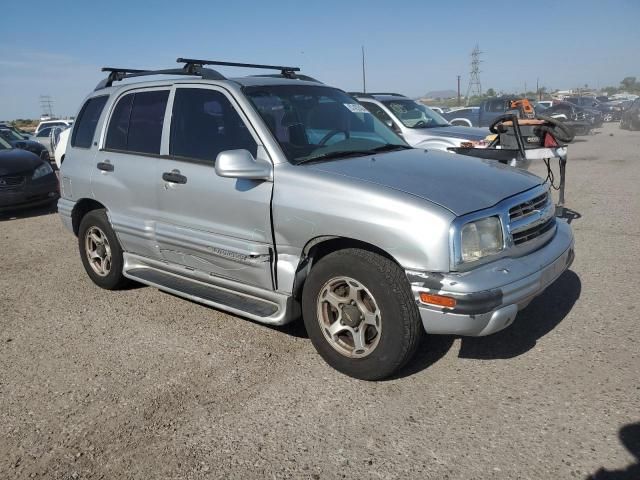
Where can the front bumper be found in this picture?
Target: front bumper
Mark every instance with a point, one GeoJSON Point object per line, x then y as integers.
{"type": "Point", "coordinates": [489, 297]}
{"type": "Point", "coordinates": [31, 194]}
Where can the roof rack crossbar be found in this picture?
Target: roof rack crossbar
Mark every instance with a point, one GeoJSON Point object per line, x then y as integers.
{"type": "Point", "coordinates": [117, 74]}
{"type": "Point", "coordinates": [288, 72]}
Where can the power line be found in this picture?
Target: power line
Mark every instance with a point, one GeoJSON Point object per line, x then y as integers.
{"type": "Point", "coordinates": [46, 105]}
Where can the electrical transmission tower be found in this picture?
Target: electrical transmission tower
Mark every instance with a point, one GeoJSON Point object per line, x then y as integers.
{"type": "Point", "coordinates": [46, 105]}
{"type": "Point", "coordinates": [475, 87]}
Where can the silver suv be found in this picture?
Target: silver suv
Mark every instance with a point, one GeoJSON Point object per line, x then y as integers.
{"type": "Point", "coordinates": [417, 124]}
{"type": "Point", "coordinates": [276, 196]}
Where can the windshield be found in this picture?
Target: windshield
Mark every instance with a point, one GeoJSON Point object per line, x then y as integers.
{"type": "Point", "coordinates": [317, 122]}
{"type": "Point", "coordinates": [415, 115]}
{"type": "Point", "coordinates": [4, 145]}
{"type": "Point", "coordinates": [9, 134]}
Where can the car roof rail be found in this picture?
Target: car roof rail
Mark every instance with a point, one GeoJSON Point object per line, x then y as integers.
{"type": "Point", "coordinates": [287, 72]}
{"type": "Point", "coordinates": [371, 94]}
{"type": "Point", "coordinates": [117, 74]}
{"type": "Point", "coordinates": [306, 78]}
{"type": "Point", "coordinates": [193, 67]}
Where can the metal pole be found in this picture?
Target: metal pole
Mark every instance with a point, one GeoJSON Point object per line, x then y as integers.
{"type": "Point", "coordinates": [458, 90]}
{"type": "Point", "coordinates": [364, 75]}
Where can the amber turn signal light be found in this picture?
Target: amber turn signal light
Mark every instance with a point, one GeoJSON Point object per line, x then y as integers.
{"type": "Point", "coordinates": [439, 300]}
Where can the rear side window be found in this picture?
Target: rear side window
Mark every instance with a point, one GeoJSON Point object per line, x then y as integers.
{"type": "Point", "coordinates": [204, 123]}
{"type": "Point", "coordinates": [85, 127]}
{"type": "Point", "coordinates": [136, 123]}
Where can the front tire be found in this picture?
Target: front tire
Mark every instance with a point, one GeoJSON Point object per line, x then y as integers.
{"type": "Point", "coordinates": [360, 314]}
{"type": "Point", "coordinates": [100, 251]}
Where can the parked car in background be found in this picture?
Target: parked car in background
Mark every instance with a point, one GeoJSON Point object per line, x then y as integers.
{"type": "Point", "coordinates": [18, 141]}
{"type": "Point", "coordinates": [272, 196]}
{"type": "Point", "coordinates": [23, 134]}
{"type": "Point", "coordinates": [610, 111]}
{"type": "Point", "coordinates": [48, 136]}
{"type": "Point", "coordinates": [489, 110]}
{"type": "Point", "coordinates": [581, 120]}
{"type": "Point", "coordinates": [52, 123]}
{"type": "Point", "coordinates": [631, 117]}
{"type": "Point", "coordinates": [61, 147]}
{"type": "Point", "coordinates": [25, 179]}
{"type": "Point", "coordinates": [418, 124]}
{"type": "Point", "coordinates": [543, 103]}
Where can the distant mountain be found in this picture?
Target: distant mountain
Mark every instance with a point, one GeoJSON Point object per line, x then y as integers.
{"type": "Point", "coordinates": [441, 94]}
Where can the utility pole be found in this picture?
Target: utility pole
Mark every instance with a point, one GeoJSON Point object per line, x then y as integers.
{"type": "Point", "coordinates": [475, 87]}
{"type": "Point", "coordinates": [538, 88]}
{"type": "Point", "coordinates": [458, 90]}
{"type": "Point", "coordinates": [364, 75]}
{"type": "Point", "coordinates": [46, 105]}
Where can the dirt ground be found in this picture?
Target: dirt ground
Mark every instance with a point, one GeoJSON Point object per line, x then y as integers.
{"type": "Point", "coordinates": [140, 384]}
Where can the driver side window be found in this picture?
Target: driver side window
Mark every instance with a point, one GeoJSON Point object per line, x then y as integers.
{"type": "Point", "coordinates": [205, 123]}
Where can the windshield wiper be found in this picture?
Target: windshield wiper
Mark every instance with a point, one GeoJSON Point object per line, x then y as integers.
{"type": "Point", "coordinates": [353, 153]}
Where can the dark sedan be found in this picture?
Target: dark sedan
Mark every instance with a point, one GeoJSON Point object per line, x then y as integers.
{"type": "Point", "coordinates": [579, 115]}
{"type": "Point", "coordinates": [25, 179]}
{"type": "Point", "coordinates": [18, 141]}
{"type": "Point", "coordinates": [610, 111]}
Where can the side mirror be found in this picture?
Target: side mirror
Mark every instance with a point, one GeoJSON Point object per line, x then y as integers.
{"type": "Point", "coordinates": [241, 164]}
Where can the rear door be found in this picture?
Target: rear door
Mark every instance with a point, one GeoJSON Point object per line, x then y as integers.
{"type": "Point", "coordinates": [221, 226]}
{"type": "Point", "coordinates": [123, 172]}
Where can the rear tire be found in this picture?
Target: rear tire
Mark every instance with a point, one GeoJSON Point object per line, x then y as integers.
{"type": "Point", "coordinates": [360, 314]}
{"type": "Point", "coordinates": [100, 251]}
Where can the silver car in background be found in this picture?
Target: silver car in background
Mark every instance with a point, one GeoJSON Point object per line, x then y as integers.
{"type": "Point", "coordinates": [273, 197]}
{"type": "Point", "coordinates": [419, 125]}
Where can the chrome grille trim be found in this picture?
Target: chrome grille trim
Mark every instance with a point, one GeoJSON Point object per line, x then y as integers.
{"type": "Point", "coordinates": [527, 208]}
{"type": "Point", "coordinates": [536, 231]}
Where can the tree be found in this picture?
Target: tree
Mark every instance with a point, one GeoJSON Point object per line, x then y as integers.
{"type": "Point", "coordinates": [490, 92]}
{"type": "Point", "coordinates": [629, 83]}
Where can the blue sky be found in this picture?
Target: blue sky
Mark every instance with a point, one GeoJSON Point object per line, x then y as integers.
{"type": "Point", "coordinates": [57, 48]}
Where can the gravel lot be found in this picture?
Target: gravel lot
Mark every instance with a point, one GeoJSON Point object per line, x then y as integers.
{"type": "Point", "coordinates": [141, 384]}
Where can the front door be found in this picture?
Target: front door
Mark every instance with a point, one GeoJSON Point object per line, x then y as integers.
{"type": "Point", "coordinates": [220, 226]}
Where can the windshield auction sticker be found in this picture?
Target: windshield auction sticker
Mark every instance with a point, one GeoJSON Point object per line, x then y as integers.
{"type": "Point", "coordinates": [356, 108]}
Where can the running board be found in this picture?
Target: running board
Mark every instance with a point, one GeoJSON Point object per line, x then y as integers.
{"type": "Point", "coordinates": [275, 309]}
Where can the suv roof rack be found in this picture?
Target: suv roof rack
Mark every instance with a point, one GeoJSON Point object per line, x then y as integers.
{"type": "Point", "coordinates": [287, 72]}
{"type": "Point", "coordinates": [371, 94]}
{"type": "Point", "coordinates": [306, 78]}
{"type": "Point", "coordinates": [193, 67]}
{"type": "Point", "coordinates": [117, 74]}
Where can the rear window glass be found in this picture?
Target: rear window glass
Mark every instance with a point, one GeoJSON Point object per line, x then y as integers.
{"type": "Point", "coordinates": [136, 123]}
{"type": "Point", "coordinates": [85, 127]}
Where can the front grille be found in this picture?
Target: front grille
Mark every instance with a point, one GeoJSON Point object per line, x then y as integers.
{"type": "Point", "coordinates": [527, 208]}
{"type": "Point", "coordinates": [530, 233]}
{"type": "Point", "coordinates": [11, 182]}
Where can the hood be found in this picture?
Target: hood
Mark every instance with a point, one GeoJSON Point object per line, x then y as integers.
{"type": "Point", "coordinates": [456, 131]}
{"type": "Point", "coordinates": [458, 183]}
{"type": "Point", "coordinates": [30, 145]}
{"type": "Point", "coordinates": [16, 161]}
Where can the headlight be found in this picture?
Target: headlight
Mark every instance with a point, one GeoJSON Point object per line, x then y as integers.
{"type": "Point", "coordinates": [481, 238]}
{"type": "Point", "coordinates": [41, 171]}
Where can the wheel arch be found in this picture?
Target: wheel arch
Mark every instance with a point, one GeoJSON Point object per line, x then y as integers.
{"type": "Point", "coordinates": [80, 209]}
{"type": "Point", "coordinates": [321, 246]}
{"type": "Point", "coordinates": [463, 122]}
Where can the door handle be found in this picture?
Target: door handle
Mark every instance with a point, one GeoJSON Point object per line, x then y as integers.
{"type": "Point", "coordinates": [174, 176]}
{"type": "Point", "coordinates": [105, 166]}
